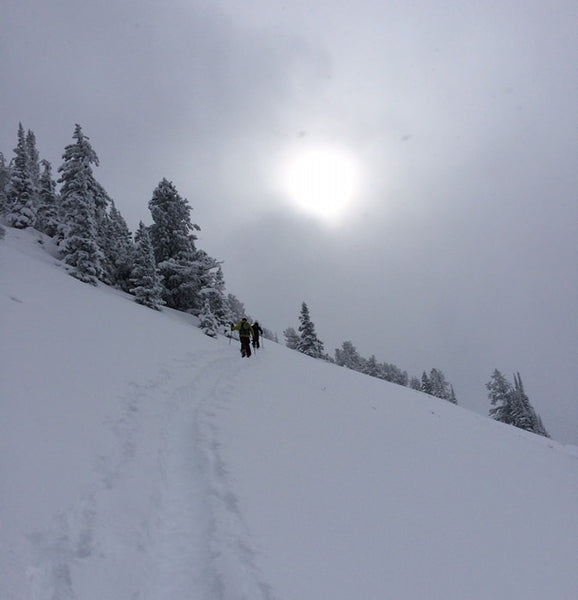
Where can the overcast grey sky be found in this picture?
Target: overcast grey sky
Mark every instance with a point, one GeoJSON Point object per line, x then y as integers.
{"type": "Point", "coordinates": [459, 247]}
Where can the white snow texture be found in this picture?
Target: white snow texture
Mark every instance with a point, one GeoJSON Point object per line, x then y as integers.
{"type": "Point", "coordinates": [143, 460]}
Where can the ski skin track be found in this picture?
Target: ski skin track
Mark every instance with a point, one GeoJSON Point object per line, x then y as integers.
{"type": "Point", "coordinates": [191, 510]}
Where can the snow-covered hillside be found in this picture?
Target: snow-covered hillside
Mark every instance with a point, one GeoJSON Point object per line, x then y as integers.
{"type": "Point", "coordinates": [140, 459]}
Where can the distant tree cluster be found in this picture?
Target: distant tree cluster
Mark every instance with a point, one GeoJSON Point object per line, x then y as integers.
{"type": "Point", "coordinates": [305, 340]}
{"type": "Point", "coordinates": [160, 266]}
{"type": "Point", "coordinates": [435, 384]}
{"type": "Point", "coordinates": [511, 405]}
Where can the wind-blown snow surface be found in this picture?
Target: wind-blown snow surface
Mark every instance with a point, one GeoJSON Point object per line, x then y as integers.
{"type": "Point", "coordinates": [140, 459]}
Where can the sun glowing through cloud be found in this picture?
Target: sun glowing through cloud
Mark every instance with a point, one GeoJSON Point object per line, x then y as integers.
{"type": "Point", "coordinates": [322, 181]}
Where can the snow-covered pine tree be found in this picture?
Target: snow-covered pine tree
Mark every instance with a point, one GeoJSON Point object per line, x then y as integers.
{"type": "Point", "coordinates": [393, 374]}
{"type": "Point", "coordinates": [371, 366]}
{"type": "Point", "coordinates": [426, 386]}
{"type": "Point", "coordinates": [118, 249]}
{"type": "Point", "coordinates": [206, 268]}
{"type": "Point", "coordinates": [174, 247]}
{"type": "Point", "coordinates": [47, 212]}
{"type": "Point", "coordinates": [172, 230]}
{"type": "Point", "coordinates": [33, 158]}
{"type": "Point", "coordinates": [207, 321]}
{"type": "Point", "coordinates": [347, 356]}
{"type": "Point", "coordinates": [215, 294]}
{"type": "Point", "coordinates": [236, 308]}
{"type": "Point", "coordinates": [309, 343]}
{"type": "Point", "coordinates": [512, 405]}
{"type": "Point", "coordinates": [79, 245]}
{"type": "Point", "coordinates": [102, 202]}
{"type": "Point", "coordinates": [524, 415]}
{"type": "Point", "coordinates": [440, 388]}
{"type": "Point", "coordinates": [291, 338]}
{"type": "Point", "coordinates": [145, 279]}
{"type": "Point", "coordinates": [415, 383]}
{"type": "Point", "coordinates": [20, 191]}
{"type": "Point", "coordinates": [4, 178]}
{"type": "Point", "coordinates": [499, 390]}
{"type": "Point", "coordinates": [540, 428]}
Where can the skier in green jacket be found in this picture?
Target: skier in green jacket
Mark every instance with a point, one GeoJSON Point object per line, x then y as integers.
{"type": "Point", "coordinates": [245, 334]}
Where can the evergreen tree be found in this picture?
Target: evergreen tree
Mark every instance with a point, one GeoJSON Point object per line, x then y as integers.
{"type": "Point", "coordinates": [347, 356]}
{"type": "Point", "coordinates": [103, 206]}
{"type": "Point", "coordinates": [436, 384]}
{"type": "Point", "coordinates": [4, 179]}
{"type": "Point", "coordinates": [215, 294]}
{"type": "Point", "coordinates": [291, 338]}
{"type": "Point", "coordinates": [20, 192]}
{"type": "Point", "coordinates": [33, 160]}
{"type": "Point", "coordinates": [236, 308]}
{"type": "Point", "coordinates": [426, 386]}
{"type": "Point", "coordinates": [145, 279]}
{"type": "Point", "coordinates": [499, 391]}
{"type": "Point", "coordinates": [415, 383]}
{"type": "Point", "coordinates": [102, 203]}
{"type": "Point", "coordinates": [118, 249]}
{"type": "Point", "coordinates": [440, 388]}
{"type": "Point", "coordinates": [172, 231]}
{"type": "Point", "coordinates": [79, 245]}
{"type": "Point", "coordinates": [309, 343]}
{"type": "Point", "coordinates": [207, 269]}
{"type": "Point", "coordinates": [524, 415]}
{"type": "Point", "coordinates": [371, 367]}
{"type": "Point", "coordinates": [174, 247]}
{"type": "Point", "coordinates": [47, 212]}
{"type": "Point", "coordinates": [393, 374]}
{"type": "Point", "coordinates": [511, 405]}
{"type": "Point", "coordinates": [208, 322]}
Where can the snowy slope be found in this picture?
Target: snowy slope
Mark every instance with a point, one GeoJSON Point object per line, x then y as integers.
{"type": "Point", "coordinates": [140, 459]}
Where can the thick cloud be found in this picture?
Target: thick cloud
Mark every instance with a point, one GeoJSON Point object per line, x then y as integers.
{"type": "Point", "coordinates": [459, 251]}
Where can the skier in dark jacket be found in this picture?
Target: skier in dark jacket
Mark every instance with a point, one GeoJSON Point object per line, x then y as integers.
{"type": "Point", "coordinates": [245, 333]}
{"type": "Point", "coordinates": [257, 332]}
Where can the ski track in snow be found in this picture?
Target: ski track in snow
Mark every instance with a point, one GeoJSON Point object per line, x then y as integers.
{"type": "Point", "coordinates": [233, 557]}
{"type": "Point", "coordinates": [185, 525]}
